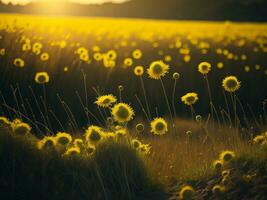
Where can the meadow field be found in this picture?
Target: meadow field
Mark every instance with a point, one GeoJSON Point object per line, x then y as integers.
{"type": "Point", "coordinates": [105, 108]}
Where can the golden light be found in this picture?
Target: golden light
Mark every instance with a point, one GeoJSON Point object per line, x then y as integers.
{"type": "Point", "coordinates": [24, 2]}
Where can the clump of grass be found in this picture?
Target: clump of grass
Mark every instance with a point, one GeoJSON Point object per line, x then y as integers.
{"type": "Point", "coordinates": [115, 171]}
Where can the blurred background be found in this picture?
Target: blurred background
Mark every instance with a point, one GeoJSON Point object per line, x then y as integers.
{"type": "Point", "coordinates": [234, 10]}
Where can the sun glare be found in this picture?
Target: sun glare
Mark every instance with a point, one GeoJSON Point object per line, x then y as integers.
{"type": "Point", "coordinates": [24, 2]}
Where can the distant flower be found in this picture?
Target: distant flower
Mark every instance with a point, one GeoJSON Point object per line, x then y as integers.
{"type": "Point", "coordinates": [63, 138]}
{"type": "Point", "coordinates": [44, 56]}
{"type": "Point", "coordinates": [122, 112]}
{"type": "Point", "coordinates": [204, 68]}
{"type": "Point", "coordinates": [94, 134]}
{"type": "Point", "coordinates": [157, 69]}
{"type": "Point", "coordinates": [72, 151]}
{"type": "Point", "coordinates": [21, 128]}
{"type": "Point", "coordinates": [139, 71]}
{"type": "Point", "coordinates": [231, 84]}
{"type": "Point", "coordinates": [105, 100]}
{"type": "Point", "coordinates": [18, 62]}
{"type": "Point", "coordinates": [227, 155]}
{"type": "Point", "coordinates": [186, 193]}
{"type": "Point", "coordinates": [137, 54]}
{"type": "Point", "coordinates": [41, 77]}
{"type": "Point", "coordinates": [190, 98]}
{"type": "Point", "coordinates": [159, 126]}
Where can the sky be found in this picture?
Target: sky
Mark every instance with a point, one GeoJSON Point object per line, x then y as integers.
{"type": "Point", "coordinates": [23, 2]}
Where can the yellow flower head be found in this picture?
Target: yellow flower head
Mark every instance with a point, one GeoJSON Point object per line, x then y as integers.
{"type": "Point", "coordinates": [46, 143]}
{"type": "Point", "coordinates": [44, 56]}
{"type": "Point", "coordinates": [72, 151]}
{"type": "Point", "coordinates": [187, 193]}
{"type": "Point", "coordinates": [63, 138]}
{"type": "Point", "coordinates": [128, 62]}
{"type": "Point", "coordinates": [218, 164]}
{"type": "Point", "coordinates": [218, 190]}
{"type": "Point", "coordinates": [122, 112]}
{"type": "Point", "coordinates": [157, 69]}
{"type": "Point", "coordinates": [78, 142]}
{"type": "Point", "coordinates": [176, 75]}
{"type": "Point", "coordinates": [204, 68]}
{"type": "Point", "coordinates": [4, 122]}
{"type": "Point", "coordinates": [190, 98]}
{"type": "Point", "coordinates": [111, 55]}
{"type": "Point", "coordinates": [137, 54]}
{"type": "Point", "coordinates": [159, 126]}
{"type": "Point", "coordinates": [120, 133]}
{"type": "Point", "coordinates": [136, 143]}
{"type": "Point", "coordinates": [18, 62]}
{"type": "Point", "coordinates": [94, 134]}
{"type": "Point", "coordinates": [227, 156]}
{"type": "Point", "coordinates": [260, 139]}
{"type": "Point", "coordinates": [139, 127]}
{"type": "Point", "coordinates": [41, 77]}
{"type": "Point", "coordinates": [21, 128]}
{"type": "Point", "coordinates": [2, 52]}
{"type": "Point", "coordinates": [105, 100]}
{"type": "Point", "coordinates": [139, 71]}
{"type": "Point", "coordinates": [98, 56]}
{"type": "Point", "coordinates": [231, 84]}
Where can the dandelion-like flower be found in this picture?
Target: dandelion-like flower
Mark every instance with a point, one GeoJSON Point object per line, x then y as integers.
{"type": "Point", "coordinates": [41, 77]}
{"type": "Point", "coordinates": [217, 165]}
{"type": "Point", "coordinates": [231, 84]}
{"type": "Point", "coordinates": [106, 100]}
{"type": "Point", "coordinates": [157, 69]}
{"type": "Point", "coordinates": [204, 68]}
{"type": "Point", "coordinates": [128, 62]}
{"type": "Point", "coordinates": [47, 142]}
{"type": "Point", "coordinates": [63, 138]}
{"type": "Point", "coordinates": [218, 190]}
{"type": "Point", "coordinates": [159, 126]}
{"type": "Point", "coordinates": [227, 155]}
{"type": "Point", "coordinates": [139, 127]}
{"type": "Point", "coordinates": [44, 56]}
{"type": "Point", "coordinates": [18, 62]}
{"type": "Point", "coordinates": [187, 193]}
{"type": "Point", "coordinates": [4, 122]}
{"type": "Point", "coordinates": [190, 98]}
{"type": "Point", "coordinates": [136, 143]}
{"type": "Point", "coordinates": [21, 128]}
{"type": "Point", "coordinates": [137, 54]}
{"type": "Point", "coordinates": [72, 151]}
{"type": "Point", "coordinates": [139, 71]}
{"type": "Point", "coordinates": [122, 112]}
{"type": "Point", "coordinates": [94, 135]}
{"type": "Point", "coordinates": [176, 76]}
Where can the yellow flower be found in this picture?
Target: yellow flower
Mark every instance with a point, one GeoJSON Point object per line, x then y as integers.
{"type": "Point", "coordinates": [98, 56]}
{"type": "Point", "coordinates": [26, 47]}
{"type": "Point", "coordinates": [139, 71]}
{"type": "Point", "coordinates": [137, 54]}
{"type": "Point", "coordinates": [136, 143]}
{"type": "Point", "coordinates": [46, 143]}
{"type": "Point", "coordinates": [128, 62]}
{"type": "Point", "coordinates": [260, 139]}
{"type": "Point", "coordinates": [122, 112]}
{"type": "Point", "coordinates": [4, 122]}
{"type": "Point", "coordinates": [18, 62]}
{"type": "Point", "coordinates": [44, 56]}
{"type": "Point", "coordinates": [41, 77]}
{"type": "Point", "coordinates": [78, 142]}
{"type": "Point", "coordinates": [227, 156]}
{"type": "Point", "coordinates": [159, 126]}
{"type": "Point", "coordinates": [218, 164]}
{"type": "Point", "coordinates": [111, 55]}
{"type": "Point", "coordinates": [21, 128]}
{"type": "Point", "coordinates": [120, 133]}
{"type": "Point", "coordinates": [63, 138]}
{"type": "Point", "coordinates": [204, 68]}
{"type": "Point", "coordinates": [94, 135]}
{"type": "Point", "coordinates": [187, 193]}
{"type": "Point", "coordinates": [105, 100]}
{"type": "Point", "coordinates": [139, 127]}
{"type": "Point", "coordinates": [2, 52]}
{"type": "Point", "coordinates": [218, 190]}
{"type": "Point", "coordinates": [72, 151]}
{"type": "Point", "coordinates": [157, 69]}
{"type": "Point", "coordinates": [190, 98]}
{"type": "Point", "coordinates": [175, 75]}
{"type": "Point", "coordinates": [231, 84]}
